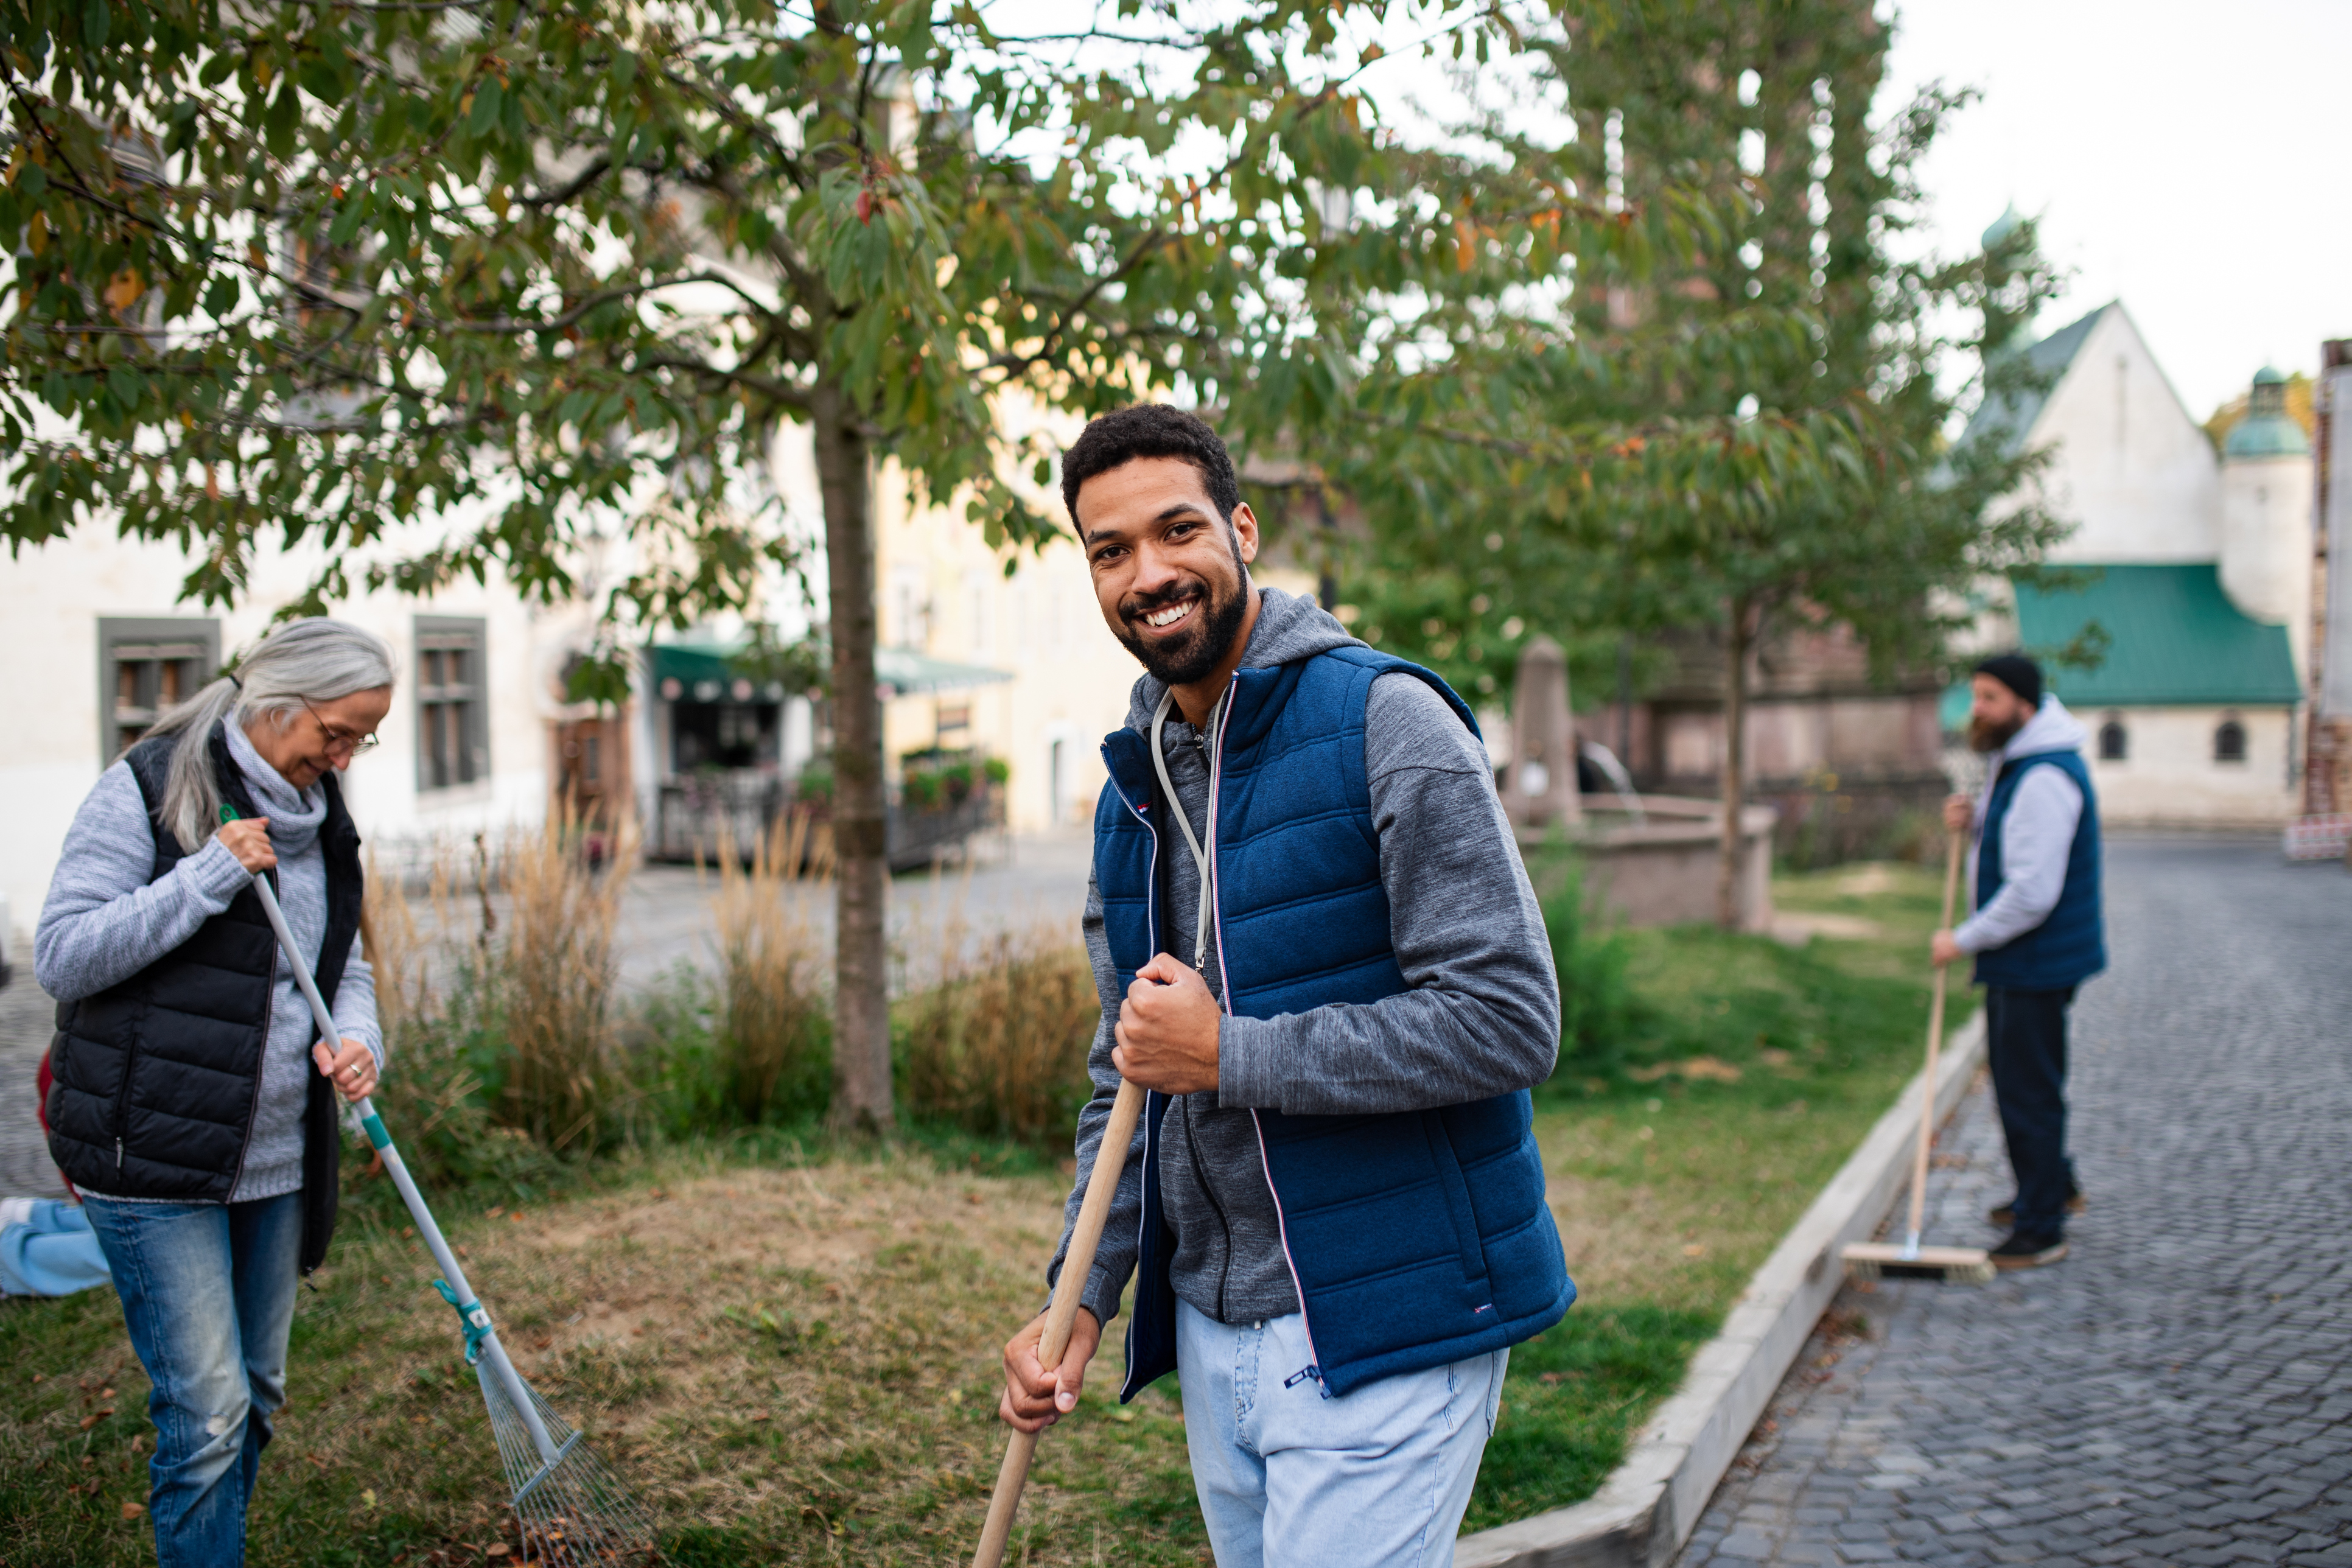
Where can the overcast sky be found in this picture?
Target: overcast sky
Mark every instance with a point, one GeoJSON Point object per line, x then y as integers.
{"type": "Point", "coordinates": [2193, 160]}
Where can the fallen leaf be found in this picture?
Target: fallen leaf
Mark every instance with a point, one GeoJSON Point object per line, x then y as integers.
{"type": "Point", "coordinates": [133, 1509]}
{"type": "Point", "coordinates": [94, 1417]}
{"type": "Point", "coordinates": [106, 1394]}
{"type": "Point", "coordinates": [498, 1550]}
{"type": "Point", "coordinates": [367, 1496]}
{"type": "Point", "coordinates": [1694, 1249]}
{"type": "Point", "coordinates": [759, 1415]}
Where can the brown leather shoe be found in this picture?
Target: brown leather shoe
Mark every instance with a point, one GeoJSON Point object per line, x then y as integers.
{"type": "Point", "coordinates": [2006, 1216]}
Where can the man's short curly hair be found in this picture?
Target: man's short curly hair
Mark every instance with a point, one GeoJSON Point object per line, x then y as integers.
{"type": "Point", "coordinates": [1151, 430]}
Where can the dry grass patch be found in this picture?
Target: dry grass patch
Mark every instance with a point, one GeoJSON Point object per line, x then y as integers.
{"type": "Point", "coordinates": [791, 1365]}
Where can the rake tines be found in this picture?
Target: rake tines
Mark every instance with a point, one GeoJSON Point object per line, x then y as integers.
{"type": "Point", "coordinates": [571, 1509]}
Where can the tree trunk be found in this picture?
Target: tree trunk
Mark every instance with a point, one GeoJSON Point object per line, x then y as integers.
{"type": "Point", "coordinates": [1739, 640]}
{"type": "Point", "coordinates": [861, 1002]}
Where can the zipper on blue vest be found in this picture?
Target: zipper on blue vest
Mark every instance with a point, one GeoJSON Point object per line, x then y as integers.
{"type": "Point", "coordinates": [1152, 941]}
{"type": "Point", "coordinates": [1226, 1000]}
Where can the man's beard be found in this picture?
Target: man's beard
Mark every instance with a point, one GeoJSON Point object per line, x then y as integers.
{"type": "Point", "coordinates": [1190, 658]}
{"type": "Point", "coordinates": [1986, 737]}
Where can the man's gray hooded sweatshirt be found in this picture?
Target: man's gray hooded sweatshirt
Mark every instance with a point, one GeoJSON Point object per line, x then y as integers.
{"type": "Point", "coordinates": [1481, 1019]}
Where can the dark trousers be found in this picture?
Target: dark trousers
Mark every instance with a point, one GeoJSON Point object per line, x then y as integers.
{"type": "Point", "coordinates": [2025, 1038]}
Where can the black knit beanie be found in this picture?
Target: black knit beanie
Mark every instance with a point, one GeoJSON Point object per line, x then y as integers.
{"type": "Point", "coordinates": [2017, 672]}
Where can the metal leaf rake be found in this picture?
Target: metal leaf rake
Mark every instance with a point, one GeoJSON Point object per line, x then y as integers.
{"type": "Point", "coordinates": [570, 1509]}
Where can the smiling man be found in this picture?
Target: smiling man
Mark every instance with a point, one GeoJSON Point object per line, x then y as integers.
{"type": "Point", "coordinates": [1316, 947]}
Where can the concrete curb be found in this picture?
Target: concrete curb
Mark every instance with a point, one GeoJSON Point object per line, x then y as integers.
{"type": "Point", "coordinates": [1650, 1504]}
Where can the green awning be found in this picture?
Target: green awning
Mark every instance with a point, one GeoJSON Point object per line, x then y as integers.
{"type": "Point", "coordinates": [704, 673]}
{"type": "Point", "coordinates": [904, 673]}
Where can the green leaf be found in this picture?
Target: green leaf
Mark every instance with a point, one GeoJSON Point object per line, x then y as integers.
{"type": "Point", "coordinates": [485, 112]}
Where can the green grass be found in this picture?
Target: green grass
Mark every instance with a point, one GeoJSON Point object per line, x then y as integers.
{"type": "Point", "coordinates": [788, 1346]}
{"type": "Point", "coordinates": [1749, 1071]}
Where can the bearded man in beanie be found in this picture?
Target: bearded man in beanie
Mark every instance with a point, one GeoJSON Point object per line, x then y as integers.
{"type": "Point", "coordinates": [1317, 948]}
{"type": "Point", "coordinates": [2036, 935]}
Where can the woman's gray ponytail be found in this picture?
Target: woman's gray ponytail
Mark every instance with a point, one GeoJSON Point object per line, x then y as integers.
{"type": "Point", "coordinates": [320, 659]}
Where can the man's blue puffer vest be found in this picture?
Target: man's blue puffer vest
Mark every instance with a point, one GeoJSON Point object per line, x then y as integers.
{"type": "Point", "coordinates": [2070, 945]}
{"type": "Point", "coordinates": [1417, 1239]}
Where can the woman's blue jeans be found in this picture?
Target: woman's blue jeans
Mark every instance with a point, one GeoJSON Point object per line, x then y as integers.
{"type": "Point", "coordinates": [208, 1294]}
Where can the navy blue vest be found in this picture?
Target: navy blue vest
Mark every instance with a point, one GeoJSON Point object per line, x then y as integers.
{"type": "Point", "coordinates": [2069, 946]}
{"type": "Point", "coordinates": [1416, 1238]}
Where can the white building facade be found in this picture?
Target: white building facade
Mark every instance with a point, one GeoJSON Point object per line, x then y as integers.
{"type": "Point", "coordinates": [2196, 576]}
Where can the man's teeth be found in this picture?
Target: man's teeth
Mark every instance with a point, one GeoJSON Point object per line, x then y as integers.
{"type": "Point", "coordinates": [1168, 616]}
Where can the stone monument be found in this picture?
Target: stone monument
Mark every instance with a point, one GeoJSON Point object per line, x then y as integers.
{"type": "Point", "coordinates": [1539, 785]}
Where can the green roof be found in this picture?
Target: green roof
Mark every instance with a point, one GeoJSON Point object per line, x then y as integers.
{"type": "Point", "coordinates": [2173, 639]}
{"type": "Point", "coordinates": [2004, 225]}
{"type": "Point", "coordinates": [1952, 708]}
{"type": "Point", "coordinates": [2010, 417]}
{"type": "Point", "coordinates": [2266, 435]}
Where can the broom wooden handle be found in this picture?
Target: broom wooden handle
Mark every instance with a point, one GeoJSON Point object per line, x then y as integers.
{"type": "Point", "coordinates": [1102, 1186]}
{"type": "Point", "coordinates": [1935, 1044]}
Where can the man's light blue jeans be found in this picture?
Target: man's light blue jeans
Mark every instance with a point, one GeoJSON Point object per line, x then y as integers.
{"type": "Point", "coordinates": [1378, 1479]}
{"type": "Point", "coordinates": [208, 1294]}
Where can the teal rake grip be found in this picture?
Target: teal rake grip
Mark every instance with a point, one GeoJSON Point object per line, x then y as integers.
{"type": "Point", "coordinates": [482, 1339]}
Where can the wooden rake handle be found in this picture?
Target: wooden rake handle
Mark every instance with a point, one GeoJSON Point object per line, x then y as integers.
{"type": "Point", "coordinates": [1935, 1044]}
{"type": "Point", "coordinates": [1102, 1186]}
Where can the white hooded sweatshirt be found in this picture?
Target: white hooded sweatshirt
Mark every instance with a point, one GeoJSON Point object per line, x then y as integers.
{"type": "Point", "coordinates": [2036, 837]}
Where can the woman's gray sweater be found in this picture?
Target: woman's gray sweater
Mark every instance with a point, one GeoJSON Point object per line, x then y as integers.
{"type": "Point", "coordinates": [104, 921]}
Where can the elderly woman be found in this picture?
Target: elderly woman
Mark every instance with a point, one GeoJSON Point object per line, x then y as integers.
{"type": "Point", "coordinates": [192, 1105]}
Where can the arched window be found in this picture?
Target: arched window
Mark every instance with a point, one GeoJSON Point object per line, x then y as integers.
{"type": "Point", "coordinates": [2230, 742]}
{"type": "Point", "coordinates": [2115, 741]}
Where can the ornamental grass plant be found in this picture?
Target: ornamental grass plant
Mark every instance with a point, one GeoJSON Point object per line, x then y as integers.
{"type": "Point", "coordinates": [775, 1015]}
{"type": "Point", "coordinates": [554, 980]}
{"type": "Point", "coordinates": [997, 1044]}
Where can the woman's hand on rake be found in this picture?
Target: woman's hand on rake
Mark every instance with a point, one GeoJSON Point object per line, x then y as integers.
{"type": "Point", "coordinates": [248, 838]}
{"type": "Point", "coordinates": [351, 1069]}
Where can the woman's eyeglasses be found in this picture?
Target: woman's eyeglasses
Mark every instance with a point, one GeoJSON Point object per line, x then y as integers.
{"type": "Point", "coordinates": [338, 739]}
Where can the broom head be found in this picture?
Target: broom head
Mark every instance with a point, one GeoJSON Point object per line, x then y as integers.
{"type": "Point", "coordinates": [1886, 1260]}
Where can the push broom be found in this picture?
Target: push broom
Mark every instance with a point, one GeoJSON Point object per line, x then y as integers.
{"type": "Point", "coordinates": [1909, 1260]}
{"type": "Point", "coordinates": [571, 1511]}
{"type": "Point", "coordinates": [1102, 1186]}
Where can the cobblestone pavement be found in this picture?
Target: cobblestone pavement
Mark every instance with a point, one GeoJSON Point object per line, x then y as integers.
{"type": "Point", "coordinates": [2178, 1391]}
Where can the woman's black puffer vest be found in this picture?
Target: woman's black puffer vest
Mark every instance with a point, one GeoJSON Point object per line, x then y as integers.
{"type": "Point", "coordinates": [157, 1076]}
